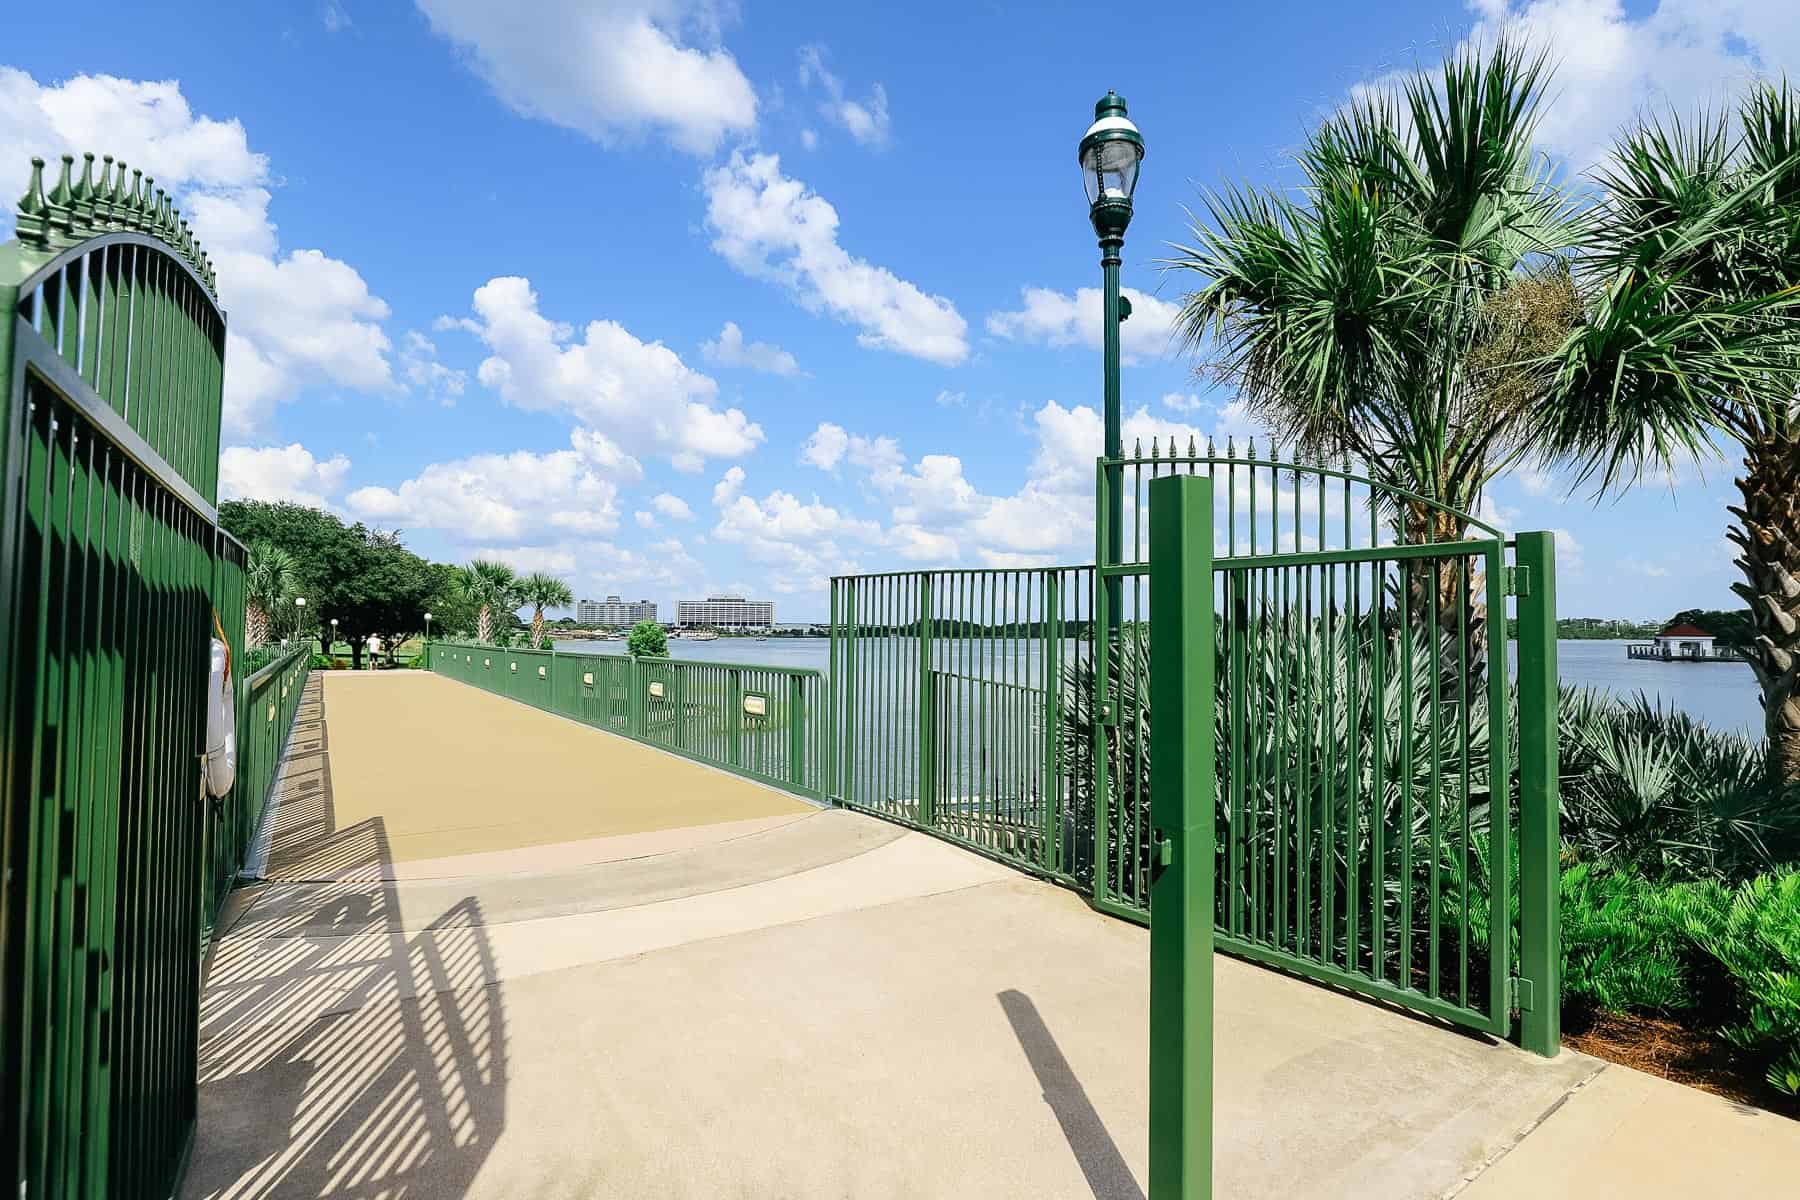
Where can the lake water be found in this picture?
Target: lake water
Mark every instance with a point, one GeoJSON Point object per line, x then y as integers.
{"type": "Point", "coordinates": [1724, 695]}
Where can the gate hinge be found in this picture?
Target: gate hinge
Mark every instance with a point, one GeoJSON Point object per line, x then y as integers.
{"type": "Point", "coordinates": [1518, 994]}
{"type": "Point", "coordinates": [1517, 581]}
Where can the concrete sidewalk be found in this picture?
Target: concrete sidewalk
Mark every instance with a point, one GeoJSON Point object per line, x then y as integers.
{"type": "Point", "coordinates": [834, 1007]}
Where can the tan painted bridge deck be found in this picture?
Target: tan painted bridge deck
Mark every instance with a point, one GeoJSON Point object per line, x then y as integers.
{"type": "Point", "coordinates": [502, 955]}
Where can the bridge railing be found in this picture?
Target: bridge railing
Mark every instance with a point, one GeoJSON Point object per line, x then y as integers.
{"type": "Point", "coordinates": [762, 722]}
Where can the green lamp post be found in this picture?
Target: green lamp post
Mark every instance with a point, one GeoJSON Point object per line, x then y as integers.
{"type": "Point", "coordinates": [1110, 152]}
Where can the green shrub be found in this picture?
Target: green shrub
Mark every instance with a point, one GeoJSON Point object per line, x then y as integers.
{"type": "Point", "coordinates": [647, 640]}
{"type": "Point", "coordinates": [1657, 790]}
{"type": "Point", "coordinates": [1622, 949]}
{"type": "Point", "coordinates": [1753, 932]}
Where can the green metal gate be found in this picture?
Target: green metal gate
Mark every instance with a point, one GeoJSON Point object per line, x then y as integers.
{"type": "Point", "coordinates": [111, 367]}
{"type": "Point", "coordinates": [1366, 726]}
{"type": "Point", "coordinates": [1378, 773]}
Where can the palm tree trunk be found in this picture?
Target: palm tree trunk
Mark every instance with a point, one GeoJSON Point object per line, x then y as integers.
{"type": "Point", "coordinates": [1770, 541]}
{"type": "Point", "coordinates": [256, 625]}
{"type": "Point", "coordinates": [537, 628]}
{"type": "Point", "coordinates": [1461, 631]}
{"type": "Point", "coordinates": [484, 624]}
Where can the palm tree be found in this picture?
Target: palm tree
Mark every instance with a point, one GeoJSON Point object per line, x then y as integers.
{"type": "Point", "coordinates": [1385, 310]}
{"type": "Point", "coordinates": [542, 591]}
{"type": "Point", "coordinates": [489, 585]}
{"type": "Point", "coordinates": [1691, 286]}
{"type": "Point", "coordinates": [270, 576]}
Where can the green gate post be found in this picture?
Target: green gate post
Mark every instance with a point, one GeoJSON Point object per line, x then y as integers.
{"type": "Point", "coordinates": [797, 733]}
{"type": "Point", "coordinates": [1182, 791]}
{"type": "Point", "coordinates": [1540, 835]}
{"type": "Point", "coordinates": [927, 814]}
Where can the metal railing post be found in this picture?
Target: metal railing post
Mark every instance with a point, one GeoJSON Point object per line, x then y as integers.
{"type": "Point", "coordinates": [1540, 835]}
{"type": "Point", "coordinates": [1049, 794]}
{"type": "Point", "coordinates": [797, 731]}
{"type": "Point", "coordinates": [1183, 783]}
{"type": "Point", "coordinates": [927, 749]}
{"type": "Point", "coordinates": [735, 726]}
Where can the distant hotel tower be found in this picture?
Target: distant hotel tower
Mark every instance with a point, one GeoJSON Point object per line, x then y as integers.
{"type": "Point", "coordinates": [726, 612]}
{"type": "Point", "coordinates": [614, 613]}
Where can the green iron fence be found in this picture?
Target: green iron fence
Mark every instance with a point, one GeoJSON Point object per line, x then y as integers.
{"type": "Point", "coordinates": [948, 694]}
{"type": "Point", "coordinates": [765, 723]}
{"type": "Point", "coordinates": [111, 363]}
{"type": "Point", "coordinates": [1365, 726]}
{"type": "Point", "coordinates": [268, 702]}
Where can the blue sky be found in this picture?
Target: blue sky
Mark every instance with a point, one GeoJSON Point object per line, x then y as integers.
{"type": "Point", "coordinates": [674, 297]}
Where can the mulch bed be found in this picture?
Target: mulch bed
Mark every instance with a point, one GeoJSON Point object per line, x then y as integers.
{"type": "Point", "coordinates": [1693, 1057]}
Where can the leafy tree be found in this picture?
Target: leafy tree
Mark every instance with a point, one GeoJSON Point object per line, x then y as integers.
{"type": "Point", "coordinates": [541, 591]}
{"type": "Point", "coordinates": [1388, 308]}
{"type": "Point", "coordinates": [1691, 284]}
{"type": "Point", "coordinates": [452, 613]}
{"type": "Point", "coordinates": [365, 578]}
{"type": "Point", "coordinates": [490, 586]}
{"type": "Point", "coordinates": [269, 577]}
{"type": "Point", "coordinates": [647, 640]}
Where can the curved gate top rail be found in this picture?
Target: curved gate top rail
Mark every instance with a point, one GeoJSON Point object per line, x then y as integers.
{"type": "Point", "coordinates": [76, 210]}
{"type": "Point", "coordinates": [1264, 505]}
{"type": "Point", "coordinates": [117, 309]}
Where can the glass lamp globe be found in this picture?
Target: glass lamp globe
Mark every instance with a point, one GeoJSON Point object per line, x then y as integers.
{"type": "Point", "coordinates": [1110, 152]}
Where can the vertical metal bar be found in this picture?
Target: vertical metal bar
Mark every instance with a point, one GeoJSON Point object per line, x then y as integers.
{"type": "Point", "coordinates": [1354, 624]}
{"type": "Point", "coordinates": [1540, 950]}
{"type": "Point", "coordinates": [927, 709]}
{"type": "Point", "coordinates": [1462, 721]}
{"type": "Point", "coordinates": [1049, 794]}
{"type": "Point", "coordinates": [1436, 795]}
{"type": "Point", "coordinates": [1239, 631]}
{"type": "Point", "coordinates": [1404, 829]}
{"type": "Point", "coordinates": [1181, 892]}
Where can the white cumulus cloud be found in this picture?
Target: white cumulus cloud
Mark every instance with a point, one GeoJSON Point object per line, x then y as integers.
{"type": "Point", "coordinates": [1614, 64]}
{"type": "Point", "coordinates": [298, 317]}
{"type": "Point", "coordinates": [611, 71]}
{"type": "Point", "coordinates": [771, 226]}
{"type": "Point", "coordinates": [521, 497]}
{"type": "Point", "coordinates": [1054, 318]}
{"type": "Point", "coordinates": [641, 393]}
{"type": "Point", "coordinates": [866, 120]}
{"type": "Point", "coordinates": [730, 349]}
{"type": "Point", "coordinates": [290, 473]}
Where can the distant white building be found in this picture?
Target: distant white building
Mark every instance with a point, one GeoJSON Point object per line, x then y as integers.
{"type": "Point", "coordinates": [614, 613]}
{"type": "Point", "coordinates": [726, 612]}
{"type": "Point", "coordinates": [1684, 641]}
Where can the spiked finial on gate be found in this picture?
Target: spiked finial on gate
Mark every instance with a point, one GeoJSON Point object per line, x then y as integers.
{"type": "Point", "coordinates": [83, 192]}
{"type": "Point", "coordinates": [103, 191]}
{"type": "Point", "coordinates": [1192, 449]}
{"type": "Point", "coordinates": [61, 197]}
{"type": "Point", "coordinates": [82, 206]}
{"type": "Point", "coordinates": [33, 224]}
{"type": "Point", "coordinates": [1230, 447]}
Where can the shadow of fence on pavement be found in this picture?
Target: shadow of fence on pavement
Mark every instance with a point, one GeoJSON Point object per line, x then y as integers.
{"type": "Point", "coordinates": [341, 1054]}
